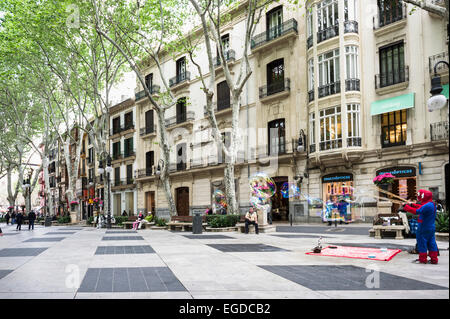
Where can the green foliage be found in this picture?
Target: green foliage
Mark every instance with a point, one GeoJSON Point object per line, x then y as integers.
{"type": "Point", "coordinates": [2, 220]}
{"type": "Point", "coordinates": [120, 220]}
{"type": "Point", "coordinates": [161, 222]}
{"type": "Point", "coordinates": [218, 221]}
{"type": "Point", "coordinates": [64, 220]}
{"type": "Point", "coordinates": [90, 220]}
{"type": "Point", "coordinates": [442, 222]}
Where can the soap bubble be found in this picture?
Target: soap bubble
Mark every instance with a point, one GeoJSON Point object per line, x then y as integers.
{"type": "Point", "coordinates": [219, 198]}
{"type": "Point", "coordinates": [261, 185]}
{"type": "Point", "coordinates": [258, 202]}
{"type": "Point", "coordinates": [289, 190]}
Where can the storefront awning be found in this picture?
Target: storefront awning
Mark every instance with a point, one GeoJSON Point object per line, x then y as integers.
{"type": "Point", "coordinates": [392, 104]}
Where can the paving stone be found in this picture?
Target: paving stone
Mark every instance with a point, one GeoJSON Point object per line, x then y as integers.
{"type": "Point", "coordinates": [21, 252]}
{"type": "Point", "coordinates": [374, 245]}
{"type": "Point", "coordinates": [123, 238]}
{"type": "Point", "coordinates": [347, 277]}
{"type": "Point", "coordinates": [37, 240]}
{"type": "Point", "coordinates": [121, 232]}
{"type": "Point", "coordinates": [130, 279]}
{"type": "Point", "coordinates": [245, 248]}
{"type": "Point", "coordinates": [60, 233]}
{"type": "Point", "coordinates": [71, 228]}
{"type": "Point", "coordinates": [10, 234]}
{"type": "Point", "coordinates": [298, 236]}
{"type": "Point", "coordinates": [208, 237]}
{"type": "Point", "coordinates": [4, 273]}
{"type": "Point", "coordinates": [342, 230]}
{"type": "Point", "coordinates": [120, 250]}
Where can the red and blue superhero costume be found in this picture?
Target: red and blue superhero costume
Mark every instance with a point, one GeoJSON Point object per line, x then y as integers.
{"type": "Point", "coordinates": [426, 211]}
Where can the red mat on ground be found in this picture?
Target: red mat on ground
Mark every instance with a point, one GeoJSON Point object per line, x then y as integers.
{"type": "Point", "coordinates": [358, 252]}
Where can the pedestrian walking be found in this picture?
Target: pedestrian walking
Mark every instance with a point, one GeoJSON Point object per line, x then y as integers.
{"type": "Point", "coordinates": [7, 217]}
{"type": "Point", "coordinates": [31, 219]}
{"type": "Point", "coordinates": [19, 220]}
{"type": "Point", "coordinates": [13, 218]}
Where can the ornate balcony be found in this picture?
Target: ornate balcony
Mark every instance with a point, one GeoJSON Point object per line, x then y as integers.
{"type": "Point", "coordinates": [230, 55]}
{"type": "Point", "coordinates": [309, 42]}
{"type": "Point", "coordinates": [330, 89]}
{"type": "Point", "coordinates": [332, 144]}
{"type": "Point", "coordinates": [179, 79]}
{"type": "Point", "coordinates": [310, 95]}
{"type": "Point", "coordinates": [350, 27]}
{"type": "Point", "coordinates": [180, 118]}
{"type": "Point", "coordinates": [328, 33]}
{"type": "Point", "coordinates": [155, 89]}
{"type": "Point", "coordinates": [354, 141]}
{"type": "Point", "coordinates": [441, 68]}
{"type": "Point", "coordinates": [274, 33]}
{"type": "Point", "coordinates": [392, 78]}
{"type": "Point", "coordinates": [352, 85]}
{"type": "Point", "coordinates": [273, 88]}
{"type": "Point", "coordinates": [147, 130]}
{"type": "Point", "coordinates": [145, 172]}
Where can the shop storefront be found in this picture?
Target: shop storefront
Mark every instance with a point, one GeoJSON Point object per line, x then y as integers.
{"type": "Point", "coordinates": [404, 184]}
{"type": "Point", "coordinates": [335, 188]}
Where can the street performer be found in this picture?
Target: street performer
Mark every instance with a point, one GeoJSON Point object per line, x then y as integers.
{"type": "Point", "coordinates": [426, 211]}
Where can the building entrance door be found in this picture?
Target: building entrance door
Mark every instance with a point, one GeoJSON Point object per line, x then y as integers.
{"type": "Point", "coordinates": [280, 205]}
{"type": "Point", "coordinates": [182, 201]}
{"type": "Point", "coordinates": [150, 202]}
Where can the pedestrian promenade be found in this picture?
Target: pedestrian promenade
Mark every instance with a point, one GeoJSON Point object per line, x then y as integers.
{"type": "Point", "coordinates": [84, 262]}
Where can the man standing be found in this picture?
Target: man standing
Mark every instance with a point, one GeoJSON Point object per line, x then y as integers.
{"type": "Point", "coordinates": [19, 220]}
{"type": "Point", "coordinates": [7, 218]}
{"type": "Point", "coordinates": [251, 218]}
{"type": "Point", "coordinates": [31, 219]}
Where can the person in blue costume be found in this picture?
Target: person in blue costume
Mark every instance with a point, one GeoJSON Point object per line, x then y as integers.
{"type": "Point", "coordinates": [425, 235]}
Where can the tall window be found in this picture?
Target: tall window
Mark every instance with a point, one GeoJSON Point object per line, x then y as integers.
{"type": "Point", "coordinates": [274, 20]}
{"type": "Point", "coordinates": [275, 76]}
{"type": "Point", "coordinates": [128, 147]}
{"type": "Point", "coordinates": [327, 20]}
{"type": "Point", "coordinates": [311, 78]}
{"type": "Point", "coordinates": [129, 121]}
{"type": "Point", "coordinates": [117, 176]}
{"type": "Point", "coordinates": [309, 27]}
{"type": "Point", "coordinates": [91, 158]}
{"type": "Point", "coordinates": [149, 162]}
{"type": "Point", "coordinates": [393, 128]}
{"type": "Point", "coordinates": [353, 125]}
{"type": "Point", "coordinates": [225, 42]}
{"type": "Point", "coordinates": [181, 69]}
{"type": "Point", "coordinates": [329, 82]}
{"type": "Point", "coordinates": [223, 96]}
{"type": "Point", "coordinates": [149, 122]}
{"type": "Point", "coordinates": [181, 110]}
{"type": "Point", "coordinates": [389, 11]}
{"type": "Point", "coordinates": [312, 132]}
{"type": "Point", "coordinates": [149, 81]}
{"type": "Point", "coordinates": [116, 125]}
{"type": "Point", "coordinates": [392, 64]}
{"type": "Point", "coordinates": [130, 174]}
{"type": "Point", "coordinates": [330, 128]}
{"type": "Point", "coordinates": [350, 10]}
{"type": "Point", "coordinates": [352, 69]}
{"type": "Point", "coordinates": [277, 137]}
{"type": "Point", "coordinates": [116, 150]}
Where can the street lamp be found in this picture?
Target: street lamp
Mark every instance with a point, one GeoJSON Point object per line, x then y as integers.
{"type": "Point", "coordinates": [301, 142]}
{"type": "Point", "coordinates": [437, 99]}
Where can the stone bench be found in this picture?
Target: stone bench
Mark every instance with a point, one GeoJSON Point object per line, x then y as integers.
{"type": "Point", "coordinates": [380, 229]}
{"type": "Point", "coordinates": [184, 226]}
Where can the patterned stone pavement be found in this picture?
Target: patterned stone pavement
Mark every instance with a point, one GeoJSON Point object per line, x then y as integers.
{"type": "Point", "coordinates": [83, 262]}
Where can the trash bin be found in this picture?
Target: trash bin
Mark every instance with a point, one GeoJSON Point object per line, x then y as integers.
{"type": "Point", "coordinates": [48, 221]}
{"type": "Point", "coordinates": [197, 227]}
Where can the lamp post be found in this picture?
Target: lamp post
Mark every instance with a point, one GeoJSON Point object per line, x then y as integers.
{"type": "Point", "coordinates": [437, 100]}
{"type": "Point", "coordinates": [107, 172]}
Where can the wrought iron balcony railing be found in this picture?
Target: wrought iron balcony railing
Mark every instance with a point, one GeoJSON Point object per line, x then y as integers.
{"type": "Point", "coordinates": [332, 144]}
{"type": "Point", "coordinates": [396, 13]}
{"type": "Point", "coordinates": [273, 88]}
{"type": "Point", "coordinates": [180, 118]}
{"type": "Point", "coordinates": [309, 42]}
{"type": "Point", "coordinates": [439, 131]}
{"type": "Point", "coordinates": [310, 95]}
{"type": "Point", "coordinates": [329, 89]}
{"type": "Point", "coordinates": [129, 153]}
{"type": "Point", "coordinates": [148, 130]}
{"type": "Point", "coordinates": [273, 33]}
{"type": "Point", "coordinates": [116, 156]}
{"type": "Point", "coordinates": [144, 172]}
{"type": "Point", "coordinates": [353, 141]}
{"type": "Point", "coordinates": [328, 33]}
{"type": "Point", "coordinates": [180, 78]}
{"type": "Point", "coordinates": [312, 148]}
{"type": "Point", "coordinates": [350, 26]}
{"type": "Point", "coordinates": [230, 55]}
{"type": "Point", "coordinates": [352, 85]}
{"type": "Point", "coordinates": [390, 78]}
{"type": "Point", "coordinates": [155, 89]}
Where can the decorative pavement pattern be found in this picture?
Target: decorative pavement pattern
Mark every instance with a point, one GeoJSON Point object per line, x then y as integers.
{"type": "Point", "coordinates": [172, 265]}
{"type": "Point", "coordinates": [121, 250]}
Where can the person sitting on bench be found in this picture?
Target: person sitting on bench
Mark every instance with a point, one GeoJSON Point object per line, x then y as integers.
{"type": "Point", "coordinates": [251, 218]}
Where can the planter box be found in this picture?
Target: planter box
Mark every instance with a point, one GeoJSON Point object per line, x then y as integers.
{"type": "Point", "coordinates": [442, 237]}
{"type": "Point", "coordinates": [221, 229]}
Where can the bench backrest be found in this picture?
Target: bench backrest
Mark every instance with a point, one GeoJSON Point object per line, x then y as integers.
{"type": "Point", "coordinates": [132, 218]}
{"type": "Point", "coordinates": [185, 219]}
